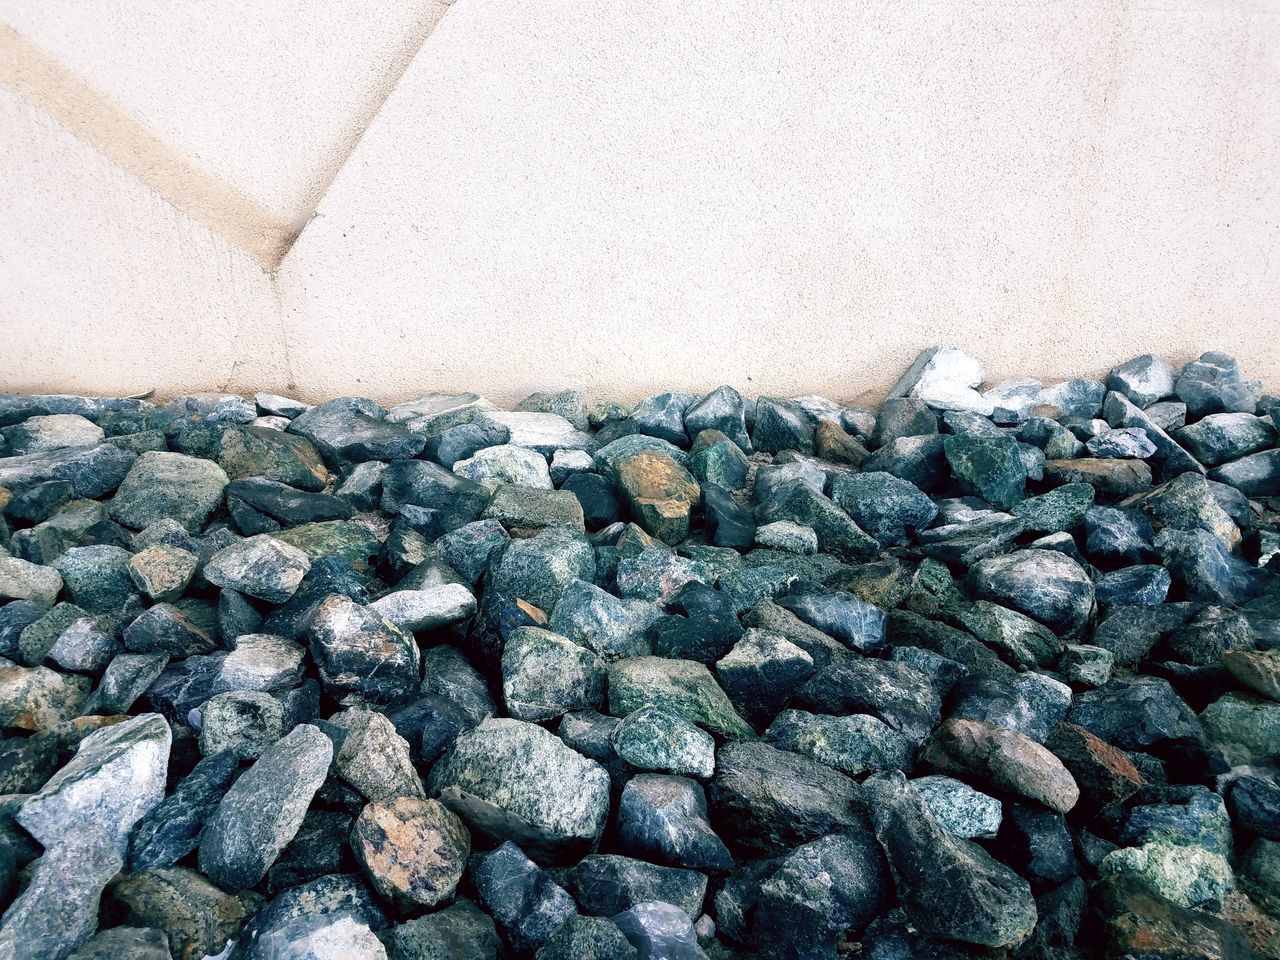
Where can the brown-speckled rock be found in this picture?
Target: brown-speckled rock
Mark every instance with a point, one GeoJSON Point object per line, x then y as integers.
{"type": "Point", "coordinates": [660, 493]}
{"type": "Point", "coordinates": [1104, 773]}
{"type": "Point", "coordinates": [413, 851]}
{"type": "Point", "coordinates": [1005, 759]}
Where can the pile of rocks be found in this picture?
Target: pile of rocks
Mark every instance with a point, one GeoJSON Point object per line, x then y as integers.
{"type": "Point", "coordinates": [983, 673]}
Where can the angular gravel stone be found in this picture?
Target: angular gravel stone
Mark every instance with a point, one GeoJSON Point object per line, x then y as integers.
{"type": "Point", "coordinates": [595, 619]}
{"type": "Point", "coordinates": [243, 721]}
{"type": "Point", "coordinates": [126, 943]}
{"type": "Point", "coordinates": [587, 938]}
{"type": "Point", "coordinates": [527, 904]}
{"type": "Point", "coordinates": [162, 572]}
{"type": "Point", "coordinates": [512, 780]}
{"type": "Point", "coordinates": [854, 744]}
{"type": "Point", "coordinates": [164, 485]}
{"type": "Point", "coordinates": [172, 829]}
{"type": "Point", "coordinates": [1257, 475]}
{"type": "Point", "coordinates": [545, 675]}
{"type": "Point", "coordinates": [1212, 384]}
{"type": "Point", "coordinates": [115, 778]}
{"type": "Point", "coordinates": [761, 672]}
{"type": "Point", "coordinates": [963, 811]}
{"type": "Point", "coordinates": [1144, 379]}
{"type": "Point", "coordinates": [722, 409]}
{"type": "Point", "coordinates": [361, 656]}
{"type": "Point", "coordinates": [544, 433]}
{"type": "Point", "coordinates": [765, 800]}
{"type": "Point", "coordinates": [20, 580]}
{"type": "Point", "coordinates": [653, 739]}
{"type": "Point", "coordinates": [897, 693]}
{"type": "Point", "coordinates": [420, 610]}
{"type": "Point", "coordinates": [1044, 585]}
{"type": "Point", "coordinates": [1170, 456]}
{"type": "Point", "coordinates": [947, 887]}
{"type": "Point", "coordinates": [1136, 713]}
{"type": "Point", "coordinates": [855, 622]}
{"type": "Point", "coordinates": [539, 569]}
{"type": "Point", "coordinates": [260, 566]}
{"type": "Point", "coordinates": [532, 508]}
{"type": "Point", "coordinates": [989, 468]}
{"type": "Point", "coordinates": [1258, 670]}
{"type": "Point", "coordinates": [664, 819]}
{"type": "Point", "coordinates": [660, 930]}
{"type": "Point", "coordinates": [1245, 727]}
{"type": "Point", "coordinates": [412, 850]}
{"type": "Point", "coordinates": [682, 687]}
{"type": "Point", "coordinates": [605, 884]}
{"type": "Point", "coordinates": [261, 813]}
{"type": "Point", "coordinates": [58, 910]}
{"type": "Point", "coordinates": [459, 932]}
{"type": "Point", "coordinates": [660, 493]}
{"type": "Point", "coordinates": [888, 508]}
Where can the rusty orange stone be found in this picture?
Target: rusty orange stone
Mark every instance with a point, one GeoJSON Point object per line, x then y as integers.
{"type": "Point", "coordinates": [413, 851]}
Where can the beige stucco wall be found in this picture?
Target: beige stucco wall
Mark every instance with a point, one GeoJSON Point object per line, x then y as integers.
{"type": "Point", "coordinates": [789, 197]}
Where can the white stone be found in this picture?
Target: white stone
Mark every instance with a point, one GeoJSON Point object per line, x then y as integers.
{"type": "Point", "coordinates": [505, 463]}
{"type": "Point", "coordinates": [116, 776]}
{"type": "Point", "coordinates": [416, 610]}
{"type": "Point", "coordinates": [543, 432]}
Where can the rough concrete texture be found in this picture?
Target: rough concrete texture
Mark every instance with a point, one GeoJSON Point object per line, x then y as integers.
{"type": "Point", "coordinates": [566, 194]}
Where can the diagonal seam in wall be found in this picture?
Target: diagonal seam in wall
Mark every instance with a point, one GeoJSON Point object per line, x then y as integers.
{"type": "Point", "coordinates": [95, 119]}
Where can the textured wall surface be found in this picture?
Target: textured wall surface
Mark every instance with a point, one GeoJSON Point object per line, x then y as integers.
{"type": "Point", "coordinates": [789, 197]}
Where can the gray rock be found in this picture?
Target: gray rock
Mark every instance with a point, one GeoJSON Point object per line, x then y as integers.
{"type": "Point", "coordinates": [1012, 400]}
{"type": "Point", "coordinates": [262, 811]}
{"type": "Point", "coordinates": [958, 808]}
{"type": "Point", "coordinates": [166, 628]}
{"type": "Point", "coordinates": [653, 739]}
{"type": "Point", "coordinates": [722, 409]}
{"type": "Point", "coordinates": [21, 580]}
{"type": "Point", "coordinates": [263, 662]}
{"type": "Point", "coordinates": [52, 432]}
{"type": "Point", "coordinates": [570, 404]}
{"type": "Point", "coordinates": [781, 425]}
{"type": "Point", "coordinates": [545, 675]}
{"type": "Point", "coordinates": [83, 647]}
{"type": "Point", "coordinates": [260, 566]}
{"type": "Point", "coordinates": [662, 416]}
{"type": "Point", "coordinates": [656, 574]}
{"type": "Point", "coordinates": [1074, 398]}
{"type": "Point", "coordinates": [856, 623]}
{"type": "Point", "coordinates": [437, 412]}
{"type": "Point", "coordinates": [854, 744]}
{"type": "Point", "coordinates": [527, 904]}
{"type": "Point", "coordinates": [332, 936]}
{"type": "Point", "coordinates": [458, 932]}
{"type": "Point", "coordinates": [512, 780]}
{"type": "Point", "coordinates": [538, 569]}
{"type": "Point", "coordinates": [595, 619]}
{"type": "Point", "coordinates": [660, 931]}
{"type": "Point", "coordinates": [245, 722]}
{"type": "Point", "coordinates": [885, 506]}
{"type": "Point", "coordinates": [533, 508]}
{"type": "Point", "coordinates": [544, 433]}
{"type": "Point", "coordinates": [1212, 384]}
{"type": "Point", "coordinates": [96, 577]}
{"type": "Point", "coordinates": [126, 943]}
{"type": "Point", "coordinates": [164, 485]}
{"type": "Point", "coordinates": [1136, 714]}
{"type": "Point", "coordinates": [1005, 758]}
{"type": "Point", "coordinates": [415, 610]}
{"type": "Point", "coordinates": [761, 672]}
{"type": "Point", "coordinates": [115, 778]}
{"type": "Point", "coordinates": [766, 800]}
{"type": "Point", "coordinates": [1131, 442]}
{"type": "Point", "coordinates": [126, 678]}
{"type": "Point", "coordinates": [1043, 584]}
{"type": "Point", "coordinates": [1144, 379]}
{"type": "Point", "coordinates": [58, 910]}
{"type": "Point", "coordinates": [1221, 437]}
{"type": "Point", "coordinates": [353, 429]}
{"type": "Point", "coordinates": [788, 536]}
{"type": "Point", "coordinates": [948, 888]}
{"type": "Point", "coordinates": [372, 757]}
{"type": "Point", "coordinates": [361, 656]}
{"type": "Point", "coordinates": [683, 687]}
{"type": "Point", "coordinates": [1257, 475]}
{"type": "Point", "coordinates": [587, 938]}
{"type": "Point", "coordinates": [897, 693]}
{"type": "Point", "coordinates": [1169, 456]}
{"type": "Point", "coordinates": [93, 471]}
{"type": "Point", "coordinates": [272, 404]}
{"type": "Point", "coordinates": [664, 819]}
{"type": "Point", "coordinates": [267, 452]}
{"type": "Point", "coordinates": [172, 829]}
{"type": "Point", "coordinates": [494, 466]}
{"type": "Point", "coordinates": [606, 884]}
